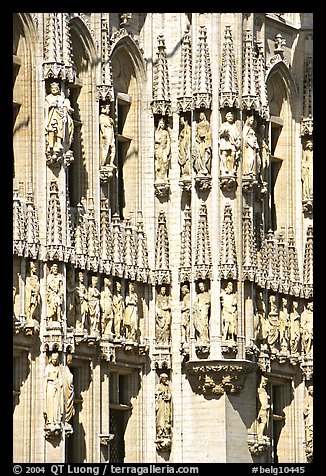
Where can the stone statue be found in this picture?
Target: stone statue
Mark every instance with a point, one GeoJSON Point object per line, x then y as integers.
{"type": "Point", "coordinates": [131, 313]}
{"type": "Point", "coordinates": [260, 320]}
{"type": "Point", "coordinates": [250, 148]}
{"type": "Point", "coordinates": [81, 299]}
{"type": "Point", "coordinates": [163, 407]}
{"type": "Point", "coordinates": [284, 325]}
{"type": "Point", "coordinates": [32, 294]}
{"type": "Point", "coordinates": [263, 413]}
{"type": "Point", "coordinates": [106, 304]}
{"type": "Point", "coordinates": [54, 296]}
{"type": "Point", "coordinates": [162, 317]}
{"type": "Point", "coordinates": [203, 146]}
{"type": "Point", "coordinates": [307, 330]}
{"type": "Point", "coordinates": [202, 314]}
{"type": "Point", "coordinates": [273, 325]}
{"type": "Point", "coordinates": [53, 392]}
{"type": "Point", "coordinates": [185, 314]}
{"type": "Point", "coordinates": [185, 147]}
{"type": "Point", "coordinates": [70, 300]}
{"type": "Point", "coordinates": [59, 123]}
{"type": "Point", "coordinates": [118, 308]}
{"type": "Point", "coordinates": [107, 139]}
{"type": "Point", "coordinates": [162, 151]}
{"type": "Point", "coordinates": [294, 329]}
{"type": "Point", "coordinates": [229, 313]}
{"type": "Point", "coordinates": [69, 390]}
{"type": "Point", "coordinates": [307, 171]}
{"type": "Point", "coordinates": [309, 421]}
{"type": "Point", "coordinates": [229, 145]}
{"type": "Point", "coordinates": [94, 309]}
{"type": "Point", "coordinates": [265, 156]}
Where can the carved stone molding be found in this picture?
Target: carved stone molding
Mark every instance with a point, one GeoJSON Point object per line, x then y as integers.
{"type": "Point", "coordinates": [162, 189]}
{"type": "Point", "coordinates": [257, 447]}
{"type": "Point", "coordinates": [203, 182]}
{"type": "Point", "coordinates": [307, 369]}
{"type": "Point", "coordinates": [215, 377]}
{"type": "Point", "coordinates": [162, 357]}
{"type": "Point", "coordinates": [185, 184]}
{"type": "Point", "coordinates": [53, 431]}
{"type": "Point", "coordinates": [163, 443]}
{"type": "Point", "coordinates": [106, 438]}
{"type": "Point", "coordinates": [228, 183]}
{"type": "Point", "coordinates": [106, 172]}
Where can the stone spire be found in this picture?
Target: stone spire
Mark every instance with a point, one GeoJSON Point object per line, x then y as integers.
{"type": "Point", "coordinates": [18, 224]}
{"type": "Point", "coordinates": [203, 79]}
{"type": "Point", "coordinates": [185, 253]}
{"type": "Point", "coordinates": [54, 225]}
{"type": "Point", "coordinates": [70, 70]}
{"type": "Point", "coordinates": [203, 262]}
{"type": "Point", "coordinates": [32, 244]}
{"type": "Point", "coordinates": [162, 271]}
{"type": "Point", "coordinates": [249, 267]}
{"type": "Point", "coordinates": [271, 262]}
{"type": "Point", "coordinates": [294, 276]}
{"type": "Point", "coordinates": [161, 103]}
{"type": "Point", "coordinates": [81, 236]}
{"type": "Point", "coordinates": [308, 265]}
{"type": "Point", "coordinates": [283, 262]}
{"type": "Point", "coordinates": [105, 88]}
{"type": "Point", "coordinates": [228, 268]}
{"type": "Point", "coordinates": [141, 251]}
{"type": "Point", "coordinates": [129, 251]}
{"type": "Point", "coordinates": [105, 239]}
{"type": "Point", "coordinates": [117, 247]}
{"type": "Point", "coordinates": [92, 238]}
{"type": "Point", "coordinates": [261, 71]}
{"type": "Point", "coordinates": [307, 109]}
{"type": "Point", "coordinates": [53, 66]}
{"type": "Point", "coordinates": [229, 89]}
{"type": "Point", "coordinates": [185, 99]}
{"type": "Point", "coordinates": [250, 98]}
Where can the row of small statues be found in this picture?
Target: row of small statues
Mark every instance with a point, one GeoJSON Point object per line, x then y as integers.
{"type": "Point", "coordinates": [255, 153]}
{"type": "Point", "coordinates": [279, 330]}
{"type": "Point", "coordinates": [112, 314]}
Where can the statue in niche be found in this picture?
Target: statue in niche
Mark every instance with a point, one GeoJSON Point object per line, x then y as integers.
{"type": "Point", "coordinates": [70, 301]}
{"type": "Point", "coordinates": [229, 313]}
{"type": "Point", "coordinates": [163, 317]}
{"type": "Point", "coordinates": [94, 309]}
{"type": "Point", "coordinates": [69, 390]}
{"type": "Point", "coordinates": [308, 420]}
{"type": "Point", "coordinates": [307, 171]}
{"type": "Point", "coordinates": [163, 407]}
{"type": "Point", "coordinates": [54, 296]}
{"type": "Point", "coordinates": [162, 151]}
{"type": "Point", "coordinates": [185, 314]}
{"type": "Point", "coordinates": [203, 146]}
{"type": "Point", "coordinates": [107, 139]}
{"type": "Point", "coordinates": [294, 329]}
{"type": "Point", "coordinates": [106, 304]}
{"type": "Point", "coordinates": [32, 294]}
{"type": "Point", "coordinates": [250, 148]}
{"type": "Point", "coordinates": [265, 154]}
{"type": "Point", "coordinates": [131, 313]}
{"type": "Point", "coordinates": [229, 145]}
{"type": "Point", "coordinates": [53, 392]}
{"type": "Point", "coordinates": [260, 320]}
{"type": "Point", "coordinates": [264, 408]}
{"type": "Point", "coordinates": [59, 123]}
{"type": "Point", "coordinates": [118, 308]}
{"type": "Point", "coordinates": [185, 147]}
{"type": "Point", "coordinates": [284, 325]}
{"type": "Point", "coordinates": [81, 299]}
{"type": "Point", "coordinates": [273, 325]}
{"type": "Point", "coordinates": [201, 314]}
{"type": "Point", "coordinates": [307, 330]}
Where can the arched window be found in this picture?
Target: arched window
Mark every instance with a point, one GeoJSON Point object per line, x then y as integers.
{"type": "Point", "coordinates": [128, 82]}
{"type": "Point", "coordinates": [282, 147]}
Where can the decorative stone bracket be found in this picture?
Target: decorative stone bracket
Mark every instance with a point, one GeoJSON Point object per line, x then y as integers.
{"type": "Point", "coordinates": [214, 377]}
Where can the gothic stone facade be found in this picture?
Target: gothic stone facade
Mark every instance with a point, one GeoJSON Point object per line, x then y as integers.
{"type": "Point", "coordinates": [162, 245]}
